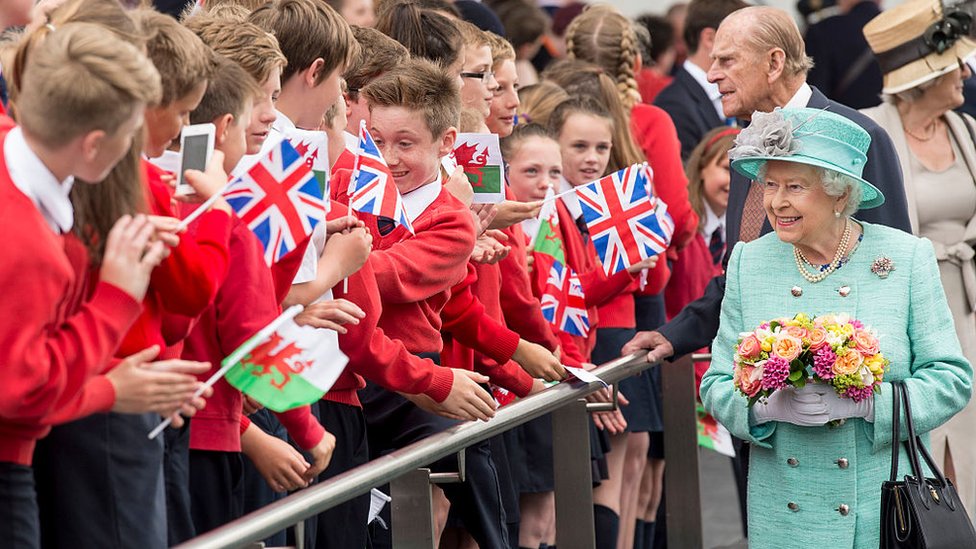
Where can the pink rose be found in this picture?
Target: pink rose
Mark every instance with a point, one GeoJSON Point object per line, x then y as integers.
{"type": "Point", "coordinates": [748, 378]}
{"type": "Point", "coordinates": [787, 347]}
{"type": "Point", "coordinates": [866, 343]}
{"type": "Point", "coordinates": [749, 348]}
{"type": "Point", "coordinates": [818, 337]}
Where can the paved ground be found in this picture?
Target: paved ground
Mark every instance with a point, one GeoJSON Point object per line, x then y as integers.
{"type": "Point", "coordinates": [720, 504]}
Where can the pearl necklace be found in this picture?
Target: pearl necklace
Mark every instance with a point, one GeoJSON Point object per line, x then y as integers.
{"type": "Point", "coordinates": [838, 257]}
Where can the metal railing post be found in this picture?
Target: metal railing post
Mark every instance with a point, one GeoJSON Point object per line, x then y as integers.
{"type": "Point", "coordinates": [681, 473]}
{"type": "Point", "coordinates": [412, 511]}
{"type": "Point", "coordinates": [573, 477]}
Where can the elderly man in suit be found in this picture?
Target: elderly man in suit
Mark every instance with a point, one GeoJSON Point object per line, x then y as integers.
{"type": "Point", "coordinates": [758, 63]}
{"type": "Point", "coordinates": [694, 103]}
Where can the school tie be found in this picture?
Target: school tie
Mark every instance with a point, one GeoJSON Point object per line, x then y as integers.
{"type": "Point", "coordinates": [753, 214]}
{"type": "Point", "coordinates": [716, 247]}
{"type": "Point", "coordinates": [385, 225]}
{"type": "Point", "coordinates": [583, 229]}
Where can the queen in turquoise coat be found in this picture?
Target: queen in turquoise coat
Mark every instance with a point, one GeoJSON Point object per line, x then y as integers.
{"type": "Point", "coordinates": [818, 460]}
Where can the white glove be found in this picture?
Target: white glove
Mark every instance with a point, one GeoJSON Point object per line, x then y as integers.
{"type": "Point", "coordinates": [804, 407]}
{"type": "Point", "coordinates": [839, 407]}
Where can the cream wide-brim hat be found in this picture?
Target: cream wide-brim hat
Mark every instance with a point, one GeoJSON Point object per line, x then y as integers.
{"type": "Point", "coordinates": [909, 22]}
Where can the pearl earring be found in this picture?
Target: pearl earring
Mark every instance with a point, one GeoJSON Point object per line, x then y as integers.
{"type": "Point", "coordinates": [837, 215]}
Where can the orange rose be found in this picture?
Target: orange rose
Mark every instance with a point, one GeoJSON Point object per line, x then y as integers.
{"type": "Point", "coordinates": [866, 343]}
{"type": "Point", "coordinates": [798, 332]}
{"type": "Point", "coordinates": [818, 337]}
{"type": "Point", "coordinates": [787, 347]}
{"type": "Point", "coordinates": [848, 363]}
{"type": "Point", "coordinates": [749, 348]}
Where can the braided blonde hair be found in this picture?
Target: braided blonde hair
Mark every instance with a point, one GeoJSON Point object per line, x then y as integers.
{"type": "Point", "coordinates": [604, 37]}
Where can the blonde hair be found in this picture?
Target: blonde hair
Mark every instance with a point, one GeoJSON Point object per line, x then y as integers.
{"type": "Point", "coordinates": [308, 30]}
{"type": "Point", "coordinates": [419, 85]}
{"type": "Point", "coordinates": [604, 37]}
{"type": "Point", "coordinates": [581, 78]}
{"type": "Point", "coordinates": [244, 43]}
{"type": "Point", "coordinates": [501, 49]}
{"type": "Point", "coordinates": [182, 59]}
{"type": "Point", "coordinates": [249, 5]}
{"type": "Point", "coordinates": [771, 28]}
{"type": "Point", "coordinates": [713, 144]}
{"type": "Point", "coordinates": [536, 102]}
{"type": "Point", "coordinates": [83, 79]}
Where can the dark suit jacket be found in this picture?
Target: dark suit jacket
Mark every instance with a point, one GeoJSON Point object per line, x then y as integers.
{"type": "Point", "coordinates": [695, 327]}
{"type": "Point", "coordinates": [837, 45]}
{"type": "Point", "coordinates": [690, 109]}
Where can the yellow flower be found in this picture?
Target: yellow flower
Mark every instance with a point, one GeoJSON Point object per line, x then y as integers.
{"type": "Point", "coordinates": [767, 346]}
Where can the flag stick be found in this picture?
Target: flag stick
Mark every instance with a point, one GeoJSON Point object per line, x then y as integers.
{"type": "Point", "coordinates": [235, 357]}
{"type": "Point", "coordinates": [352, 182]}
{"type": "Point", "coordinates": [202, 209]}
{"type": "Point", "coordinates": [555, 196]}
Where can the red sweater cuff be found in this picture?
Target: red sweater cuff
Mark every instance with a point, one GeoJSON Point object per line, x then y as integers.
{"type": "Point", "coordinates": [511, 376]}
{"type": "Point", "coordinates": [302, 426]}
{"type": "Point", "coordinates": [245, 423]}
{"type": "Point", "coordinates": [441, 384]}
{"type": "Point", "coordinates": [501, 346]}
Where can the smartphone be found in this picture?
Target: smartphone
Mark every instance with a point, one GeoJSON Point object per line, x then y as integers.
{"type": "Point", "coordinates": [196, 148]}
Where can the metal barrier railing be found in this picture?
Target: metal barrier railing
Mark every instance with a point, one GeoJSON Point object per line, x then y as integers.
{"type": "Point", "coordinates": [410, 484]}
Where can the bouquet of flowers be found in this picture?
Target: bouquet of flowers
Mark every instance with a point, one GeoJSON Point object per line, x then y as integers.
{"type": "Point", "coordinates": [833, 349]}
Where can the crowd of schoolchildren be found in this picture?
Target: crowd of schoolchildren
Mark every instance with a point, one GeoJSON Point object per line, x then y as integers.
{"type": "Point", "coordinates": [115, 315]}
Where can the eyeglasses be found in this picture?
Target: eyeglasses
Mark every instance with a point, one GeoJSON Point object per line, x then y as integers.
{"type": "Point", "coordinates": [485, 76]}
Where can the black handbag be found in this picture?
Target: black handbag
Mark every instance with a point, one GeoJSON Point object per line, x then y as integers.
{"type": "Point", "coordinates": [919, 512]}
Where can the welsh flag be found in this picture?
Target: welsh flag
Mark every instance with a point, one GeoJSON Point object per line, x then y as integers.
{"type": "Point", "coordinates": [562, 300]}
{"type": "Point", "coordinates": [286, 365]}
{"type": "Point", "coordinates": [480, 154]}
{"type": "Point", "coordinates": [314, 148]}
{"type": "Point", "coordinates": [712, 434]}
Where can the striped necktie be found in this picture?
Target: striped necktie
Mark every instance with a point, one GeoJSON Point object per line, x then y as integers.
{"type": "Point", "coordinates": [753, 214]}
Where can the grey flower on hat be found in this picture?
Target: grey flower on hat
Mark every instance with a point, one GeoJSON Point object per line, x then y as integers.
{"type": "Point", "coordinates": [768, 134]}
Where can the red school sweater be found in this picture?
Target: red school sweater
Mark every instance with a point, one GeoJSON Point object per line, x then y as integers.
{"type": "Point", "coordinates": [180, 288]}
{"type": "Point", "coordinates": [54, 339]}
{"type": "Point", "coordinates": [244, 304]}
{"type": "Point", "coordinates": [471, 325]}
{"type": "Point", "coordinates": [186, 282]}
{"type": "Point", "coordinates": [372, 354]}
{"type": "Point", "coordinates": [415, 272]}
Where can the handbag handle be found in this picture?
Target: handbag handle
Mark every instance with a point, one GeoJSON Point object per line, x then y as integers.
{"type": "Point", "coordinates": [914, 444]}
{"type": "Point", "coordinates": [913, 441]}
{"type": "Point", "coordinates": [895, 428]}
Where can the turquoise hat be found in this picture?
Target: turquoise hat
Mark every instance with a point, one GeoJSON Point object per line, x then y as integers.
{"type": "Point", "coordinates": [806, 136]}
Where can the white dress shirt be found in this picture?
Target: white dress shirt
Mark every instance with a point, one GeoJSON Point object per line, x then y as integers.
{"type": "Point", "coordinates": [34, 179]}
{"type": "Point", "coordinates": [711, 90]}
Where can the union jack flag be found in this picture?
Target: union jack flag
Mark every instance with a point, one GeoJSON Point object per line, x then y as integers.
{"type": "Point", "coordinates": [279, 199]}
{"type": "Point", "coordinates": [627, 223]}
{"type": "Point", "coordinates": [563, 303]}
{"type": "Point", "coordinates": [371, 188]}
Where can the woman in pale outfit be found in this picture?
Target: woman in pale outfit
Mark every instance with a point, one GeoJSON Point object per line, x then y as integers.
{"type": "Point", "coordinates": [938, 161]}
{"type": "Point", "coordinates": [817, 459]}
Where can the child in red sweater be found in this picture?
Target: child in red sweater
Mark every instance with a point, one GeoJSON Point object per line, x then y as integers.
{"type": "Point", "coordinates": [59, 335]}
{"type": "Point", "coordinates": [414, 109]}
{"type": "Point", "coordinates": [183, 286]}
{"type": "Point", "coordinates": [585, 132]}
